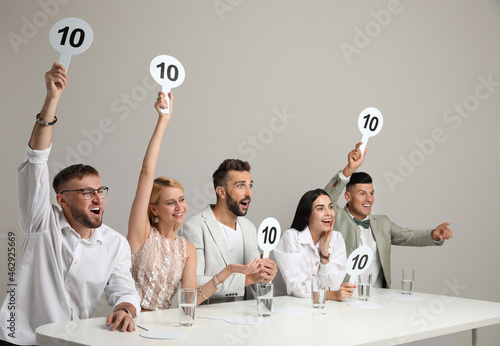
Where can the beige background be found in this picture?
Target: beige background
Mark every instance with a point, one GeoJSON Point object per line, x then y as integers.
{"type": "Point", "coordinates": [281, 84]}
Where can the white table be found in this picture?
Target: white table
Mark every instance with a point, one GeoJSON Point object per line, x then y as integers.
{"type": "Point", "coordinates": [397, 321]}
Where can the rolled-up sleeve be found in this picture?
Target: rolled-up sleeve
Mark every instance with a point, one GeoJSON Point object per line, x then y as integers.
{"type": "Point", "coordinates": [33, 190]}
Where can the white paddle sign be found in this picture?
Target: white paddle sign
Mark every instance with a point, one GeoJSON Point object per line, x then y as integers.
{"type": "Point", "coordinates": [70, 36]}
{"type": "Point", "coordinates": [168, 72]}
{"type": "Point", "coordinates": [268, 235]}
{"type": "Point", "coordinates": [358, 262]}
{"type": "Point", "coordinates": [370, 122]}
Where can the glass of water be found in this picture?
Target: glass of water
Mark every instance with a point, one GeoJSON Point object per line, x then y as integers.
{"type": "Point", "coordinates": [364, 286]}
{"type": "Point", "coordinates": [187, 306]}
{"type": "Point", "coordinates": [264, 298]}
{"type": "Point", "coordinates": [407, 280]}
{"type": "Point", "coordinates": [318, 293]}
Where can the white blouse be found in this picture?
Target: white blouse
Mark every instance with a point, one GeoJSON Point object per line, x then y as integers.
{"type": "Point", "coordinates": [298, 261]}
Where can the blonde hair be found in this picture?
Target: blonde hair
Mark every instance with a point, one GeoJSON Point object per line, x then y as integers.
{"type": "Point", "coordinates": [159, 184]}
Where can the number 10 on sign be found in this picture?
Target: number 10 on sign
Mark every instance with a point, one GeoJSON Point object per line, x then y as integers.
{"type": "Point", "coordinates": [268, 235]}
{"type": "Point", "coordinates": [70, 36]}
{"type": "Point", "coordinates": [358, 262]}
{"type": "Point", "coordinates": [168, 72]}
{"type": "Point", "coordinates": [370, 122]}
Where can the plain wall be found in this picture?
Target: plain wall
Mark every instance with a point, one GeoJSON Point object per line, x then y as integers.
{"type": "Point", "coordinates": [281, 84]}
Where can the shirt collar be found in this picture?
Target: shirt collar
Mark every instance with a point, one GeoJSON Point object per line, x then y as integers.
{"type": "Point", "coordinates": [96, 233]}
{"type": "Point", "coordinates": [352, 217]}
{"type": "Point", "coordinates": [97, 236]}
{"type": "Point", "coordinates": [305, 237]}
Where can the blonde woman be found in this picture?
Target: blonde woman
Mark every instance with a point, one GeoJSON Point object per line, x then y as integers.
{"type": "Point", "coordinates": [161, 259]}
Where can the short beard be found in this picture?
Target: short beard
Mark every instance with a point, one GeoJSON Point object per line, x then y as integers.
{"type": "Point", "coordinates": [83, 219]}
{"type": "Point", "coordinates": [234, 205]}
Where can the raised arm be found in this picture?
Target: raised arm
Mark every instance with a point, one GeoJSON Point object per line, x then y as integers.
{"type": "Point", "coordinates": [354, 160]}
{"type": "Point", "coordinates": [336, 185]}
{"type": "Point", "coordinates": [55, 82]}
{"type": "Point", "coordinates": [138, 223]}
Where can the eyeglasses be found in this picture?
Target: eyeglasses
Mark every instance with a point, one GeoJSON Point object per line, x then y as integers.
{"type": "Point", "coordinates": [89, 192]}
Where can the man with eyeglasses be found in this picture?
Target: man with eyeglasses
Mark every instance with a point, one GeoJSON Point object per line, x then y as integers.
{"type": "Point", "coordinates": [66, 258]}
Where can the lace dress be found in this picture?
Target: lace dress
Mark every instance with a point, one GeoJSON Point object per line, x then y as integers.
{"type": "Point", "coordinates": [157, 270]}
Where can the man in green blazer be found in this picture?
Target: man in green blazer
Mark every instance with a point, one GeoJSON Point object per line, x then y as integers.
{"type": "Point", "coordinates": [360, 228]}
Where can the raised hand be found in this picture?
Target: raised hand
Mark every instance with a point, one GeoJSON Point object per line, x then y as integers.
{"type": "Point", "coordinates": [56, 80]}
{"type": "Point", "coordinates": [161, 102]}
{"type": "Point", "coordinates": [354, 160]}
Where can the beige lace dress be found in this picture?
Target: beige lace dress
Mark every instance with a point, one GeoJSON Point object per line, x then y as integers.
{"type": "Point", "coordinates": [157, 270]}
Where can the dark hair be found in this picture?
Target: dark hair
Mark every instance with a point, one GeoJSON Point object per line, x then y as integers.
{"type": "Point", "coordinates": [220, 176]}
{"type": "Point", "coordinates": [304, 209]}
{"type": "Point", "coordinates": [359, 178]}
{"type": "Point", "coordinates": [74, 171]}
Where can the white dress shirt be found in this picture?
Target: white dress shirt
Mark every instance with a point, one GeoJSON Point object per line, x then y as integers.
{"type": "Point", "coordinates": [298, 261]}
{"type": "Point", "coordinates": [60, 277]}
{"type": "Point", "coordinates": [366, 238]}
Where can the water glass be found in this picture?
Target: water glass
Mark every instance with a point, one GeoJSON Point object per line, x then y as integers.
{"type": "Point", "coordinates": [264, 298]}
{"type": "Point", "coordinates": [407, 279]}
{"type": "Point", "coordinates": [318, 293]}
{"type": "Point", "coordinates": [187, 306]}
{"type": "Point", "coordinates": [364, 286]}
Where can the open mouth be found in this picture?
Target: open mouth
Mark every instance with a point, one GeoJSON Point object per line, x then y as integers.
{"type": "Point", "coordinates": [179, 215]}
{"type": "Point", "coordinates": [245, 203]}
{"type": "Point", "coordinates": [327, 222]}
{"type": "Point", "coordinates": [96, 211]}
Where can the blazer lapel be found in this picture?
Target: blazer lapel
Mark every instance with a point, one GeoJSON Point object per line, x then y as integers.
{"type": "Point", "coordinates": [377, 235]}
{"type": "Point", "coordinates": [216, 233]}
{"type": "Point", "coordinates": [354, 227]}
{"type": "Point", "coordinates": [383, 252]}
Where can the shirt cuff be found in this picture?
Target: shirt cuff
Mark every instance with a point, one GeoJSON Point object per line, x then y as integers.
{"type": "Point", "coordinates": [131, 299]}
{"type": "Point", "coordinates": [325, 268]}
{"type": "Point", "coordinates": [437, 242]}
{"type": "Point", "coordinates": [37, 156]}
{"type": "Point", "coordinates": [343, 177]}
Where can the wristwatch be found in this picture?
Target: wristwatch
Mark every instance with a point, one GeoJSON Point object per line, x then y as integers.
{"type": "Point", "coordinates": [124, 309]}
{"type": "Point", "coordinates": [216, 282]}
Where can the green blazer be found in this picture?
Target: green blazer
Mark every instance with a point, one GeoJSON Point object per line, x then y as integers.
{"type": "Point", "coordinates": [385, 232]}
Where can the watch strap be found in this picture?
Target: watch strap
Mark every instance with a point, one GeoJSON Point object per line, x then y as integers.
{"type": "Point", "coordinates": [126, 310]}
